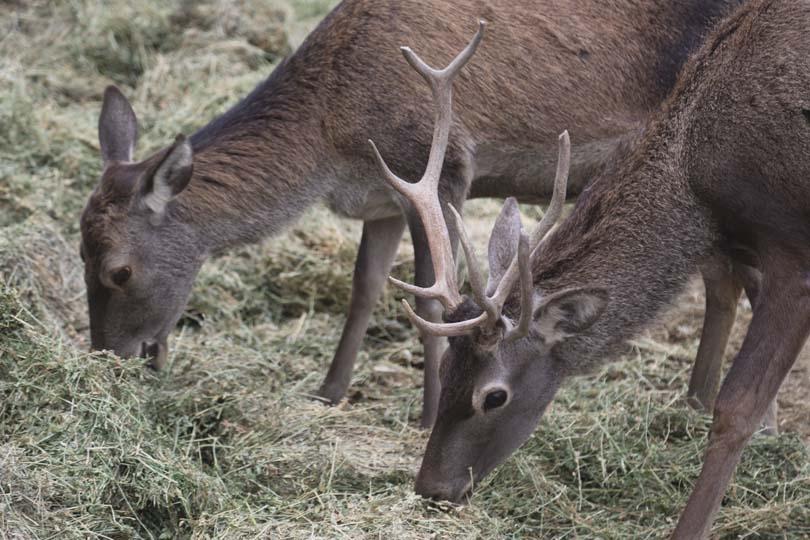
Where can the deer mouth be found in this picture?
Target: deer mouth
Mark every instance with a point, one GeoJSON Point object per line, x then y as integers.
{"type": "Point", "coordinates": [155, 352]}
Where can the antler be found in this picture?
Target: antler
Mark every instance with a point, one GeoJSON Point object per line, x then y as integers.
{"type": "Point", "coordinates": [520, 267]}
{"type": "Point", "coordinates": [423, 195]}
{"type": "Point", "coordinates": [527, 250]}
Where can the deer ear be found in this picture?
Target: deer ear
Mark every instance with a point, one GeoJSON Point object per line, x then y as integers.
{"type": "Point", "coordinates": [171, 176]}
{"type": "Point", "coordinates": [503, 243]}
{"type": "Point", "coordinates": [569, 312]}
{"type": "Point", "coordinates": [117, 127]}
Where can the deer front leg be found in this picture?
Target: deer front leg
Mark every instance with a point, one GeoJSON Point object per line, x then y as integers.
{"type": "Point", "coordinates": [430, 310]}
{"type": "Point", "coordinates": [750, 279]}
{"type": "Point", "coordinates": [722, 294]}
{"type": "Point", "coordinates": [778, 329]}
{"type": "Point", "coordinates": [378, 247]}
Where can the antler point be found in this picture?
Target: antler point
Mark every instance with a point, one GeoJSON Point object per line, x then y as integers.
{"type": "Point", "coordinates": [420, 194]}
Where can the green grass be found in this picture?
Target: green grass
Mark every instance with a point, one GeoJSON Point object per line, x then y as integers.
{"type": "Point", "coordinates": [227, 442]}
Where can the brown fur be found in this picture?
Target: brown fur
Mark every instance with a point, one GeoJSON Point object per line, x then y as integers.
{"type": "Point", "coordinates": [596, 68]}
{"type": "Point", "coordinates": [706, 178]}
{"type": "Point", "coordinates": [723, 171]}
{"type": "Point", "coordinates": [347, 82]}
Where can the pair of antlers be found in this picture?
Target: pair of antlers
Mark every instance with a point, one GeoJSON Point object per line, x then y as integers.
{"type": "Point", "coordinates": [424, 197]}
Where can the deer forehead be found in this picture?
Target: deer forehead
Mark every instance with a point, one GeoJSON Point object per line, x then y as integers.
{"type": "Point", "coordinates": [104, 218]}
{"type": "Point", "coordinates": [104, 226]}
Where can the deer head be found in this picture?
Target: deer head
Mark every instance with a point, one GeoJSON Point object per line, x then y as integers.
{"type": "Point", "coordinates": [139, 260]}
{"type": "Point", "coordinates": [499, 372]}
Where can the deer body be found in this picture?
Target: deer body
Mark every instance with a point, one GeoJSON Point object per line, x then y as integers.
{"type": "Point", "coordinates": [347, 82]}
{"type": "Point", "coordinates": [596, 68]}
{"type": "Point", "coordinates": [723, 171]}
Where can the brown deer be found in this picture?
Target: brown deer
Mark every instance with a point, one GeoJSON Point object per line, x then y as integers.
{"type": "Point", "coordinates": [596, 68]}
{"type": "Point", "coordinates": [722, 172]}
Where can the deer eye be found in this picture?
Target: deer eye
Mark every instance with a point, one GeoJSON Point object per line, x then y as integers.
{"type": "Point", "coordinates": [495, 399]}
{"type": "Point", "coordinates": [121, 275]}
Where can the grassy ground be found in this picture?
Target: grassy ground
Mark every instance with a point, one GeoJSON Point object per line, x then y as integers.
{"type": "Point", "coordinates": [227, 442]}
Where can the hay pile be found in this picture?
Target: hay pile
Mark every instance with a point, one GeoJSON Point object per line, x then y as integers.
{"type": "Point", "coordinates": [227, 441]}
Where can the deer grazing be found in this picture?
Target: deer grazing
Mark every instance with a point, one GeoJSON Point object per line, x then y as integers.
{"type": "Point", "coordinates": [722, 173]}
{"type": "Point", "coordinates": [298, 138]}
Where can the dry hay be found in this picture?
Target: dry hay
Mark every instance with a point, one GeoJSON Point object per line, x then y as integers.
{"type": "Point", "coordinates": [227, 442]}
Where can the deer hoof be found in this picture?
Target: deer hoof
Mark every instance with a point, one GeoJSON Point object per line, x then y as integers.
{"type": "Point", "coordinates": [330, 393]}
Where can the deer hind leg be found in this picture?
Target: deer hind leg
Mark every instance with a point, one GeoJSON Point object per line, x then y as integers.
{"type": "Point", "coordinates": [750, 279]}
{"type": "Point", "coordinates": [778, 329]}
{"type": "Point", "coordinates": [378, 247]}
{"type": "Point", "coordinates": [723, 284]}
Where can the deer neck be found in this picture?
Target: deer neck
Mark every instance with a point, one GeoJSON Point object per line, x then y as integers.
{"type": "Point", "coordinates": [258, 166]}
{"type": "Point", "coordinates": [637, 231]}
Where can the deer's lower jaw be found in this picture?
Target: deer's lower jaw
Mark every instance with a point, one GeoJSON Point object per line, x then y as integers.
{"type": "Point", "coordinates": [156, 352]}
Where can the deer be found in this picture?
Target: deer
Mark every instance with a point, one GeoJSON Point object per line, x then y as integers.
{"type": "Point", "coordinates": [722, 172]}
{"type": "Point", "coordinates": [297, 138]}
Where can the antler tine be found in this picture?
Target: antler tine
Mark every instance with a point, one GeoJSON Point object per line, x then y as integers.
{"type": "Point", "coordinates": [551, 216]}
{"type": "Point", "coordinates": [441, 83]}
{"type": "Point", "coordinates": [411, 192]}
{"type": "Point", "coordinates": [405, 188]}
{"type": "Point", "coordinates": [432, 75]}
{"type": "Point", "coordinates": [555, 207]}
{"type": "Point", "coordinates": [476, 278]}
{"type": "Point", "coordinates": [423, 195]}
{"type": "Point", "coordinates": [443, 329]}
{"type": "Point", "coordinates": [468, 52]}
{"type": "Point", "coordinates": [526, 290]}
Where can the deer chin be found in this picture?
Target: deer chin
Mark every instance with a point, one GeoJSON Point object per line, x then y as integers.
{"type": "Point", "coordinates": [155, 352]}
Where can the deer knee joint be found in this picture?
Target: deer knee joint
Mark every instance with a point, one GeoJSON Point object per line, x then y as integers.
{"type": "Point", "coordinates": [733, 424]}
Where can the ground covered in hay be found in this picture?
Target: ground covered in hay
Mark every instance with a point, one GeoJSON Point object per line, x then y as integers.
{"type": "Point", "coordinates": [227, 442]}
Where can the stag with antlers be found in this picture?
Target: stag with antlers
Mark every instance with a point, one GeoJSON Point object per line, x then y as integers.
{"type": "Point", "coordinates": [722, 172]}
